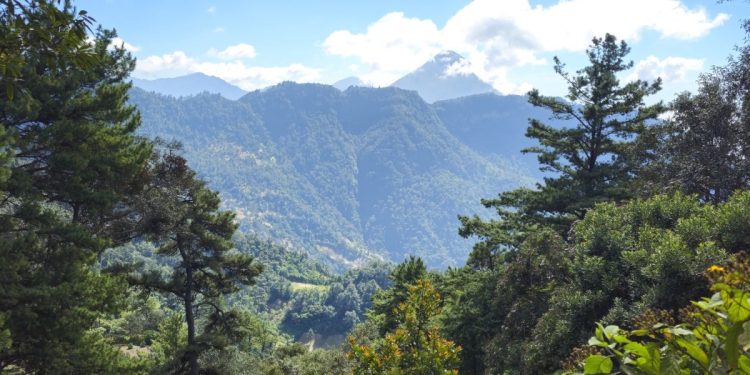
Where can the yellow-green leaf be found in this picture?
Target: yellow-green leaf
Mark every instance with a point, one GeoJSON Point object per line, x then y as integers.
{"type": "Point", "coordinates": [597, 364]}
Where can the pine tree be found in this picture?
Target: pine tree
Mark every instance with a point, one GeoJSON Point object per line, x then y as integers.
{"type": "Point", "coordinates": [186, 222]}
{"type": "Point", "coordinates": [385, 301]}
{"type": "Point", "coordinates": [590, 162]}
{"type": "Point", "coordinates": [69, 161]}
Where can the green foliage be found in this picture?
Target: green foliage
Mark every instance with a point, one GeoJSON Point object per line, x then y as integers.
{"type": "Point", "coordinates": [42, 27]}
{"type": "Point", "coordinates": [281, 261]}
{"type": "Point", "coordinates": [338, 308]}
{"type": "Point", "coordinates": [628, 259]}
{"type": "Point", "coordinates": [704, 147]}
{"type": "Point", "coordinates": [298, 360]}
{"type": "Point", "coordinates": [591, 162]}
{"type": "Point", "coordinates": [184, 219]}
{"type": "Point", "coordinates": [68, 164]}
{"type": "Point", "coordinates": [712, 339]}
{"type": "Point", "coordinates": [386, 301]}
{"type": "Point", "coordinates": [528, 313]}
{"type": "Point", "coordinates": [5, 338]}
{"type": "Point", "coordinates": [469, 315]}
{"type": "Point", "coordinates": [168, 346]}
{"type": "Point", "coordinates": [415, 346]}
{"type": "Point", "coordinates": [523, 291]}
{"type": "Point", "coordinates": [137, 324]}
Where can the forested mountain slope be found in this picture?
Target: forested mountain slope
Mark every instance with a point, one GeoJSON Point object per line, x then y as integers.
{"type": "Point", "coordinates": [349, 176]}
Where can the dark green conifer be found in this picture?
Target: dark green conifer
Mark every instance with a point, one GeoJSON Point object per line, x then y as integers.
{"type": "Point", "coordinates": [589, 163]}
{"type": "Point", "coordinates": [183, 217]}
{"type": "Point", "coordinates": [68, 162]}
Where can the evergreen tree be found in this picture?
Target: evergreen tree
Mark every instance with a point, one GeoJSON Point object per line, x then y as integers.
{"type": "Point", "coordinates": [69, 161]}
{"type": "Point", "coordinates": [704, 148]}
{"type": "Point", "coordinates": [386, 301]}
{"type": "Point", "coordinates": [186, 223]}
{"type": "Point", "coordinates": [706, 145]}
{"type": "Point", "coordinates": [591, 162]}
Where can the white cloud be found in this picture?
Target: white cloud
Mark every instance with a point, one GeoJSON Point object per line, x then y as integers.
{"type": "Point", "coordinates": [218, 30]}
{"type": "Point", "coordinates": [392, 45]}
{"type": "Point", "coordinates": [211, 9]}
{"type": "Point", "coordinates": [116, 42]}
{"type": "Point", "coordinates": [174, 63]}
{"type": "Point", "coordinates": [570, 25]}
{"type": "Point", "coordinates": [670, 69]}
{"type": "Point", "coordinates": [236, 51]}
{"type": "Point", "coordinates": [256, 77]}
{"type": "Point", "coordinates": [498, 35]}
{"type": "Point", "coordinates": [236, 72]}
{"type": "Point", "coordinates": [462, 67]}
{"type": "Point", "coordinates": [666, 116]}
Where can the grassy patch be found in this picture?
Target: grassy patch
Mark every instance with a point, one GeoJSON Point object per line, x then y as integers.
{"type": "Point", "coordinates": [296, 287]}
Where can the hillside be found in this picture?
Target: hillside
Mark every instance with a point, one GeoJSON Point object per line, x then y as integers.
{"type": "Point", "coordinates": [191, 84]}
{"type": "Point", "coordinates": [351, 176]}
{"type": "Point", "coordinates": [495, 126]}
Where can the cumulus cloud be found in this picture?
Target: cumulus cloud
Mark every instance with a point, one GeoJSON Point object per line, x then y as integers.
{"type": "Point", "coordinates": [256, 77]}
{"type": "Point", "coordinates": [570, 25]}
{"type": "Point", "coordinates": [116, 42]}
{"type": "Point", "coordinates": [461, 67]}
{"type": "Point", "coordinates": [670, 69]}
{"type": "Point", "coordinates": [236, 72]}
{"type": "Point", "coordinates": [236, 51]}
{"type": "Point", "coordinates": [392, 45]}
{"type": "Point", "coordinates": [119, 42]}
{"type": "Point", "coordinates": [174, 63]}
{"type": "Point", "coordinates": [498, 35]}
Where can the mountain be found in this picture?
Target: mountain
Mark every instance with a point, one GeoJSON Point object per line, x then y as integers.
{"type": "Point", "coordinates": [345, 83]}
{"type": "Point", "coordinates": [368, 173]}
{"type": "Point", "coordinates": [191, 84]}
{"type": "Point", "coordinates": [443, 77]}
{"type": "Point", "coordinates": [494, 126]}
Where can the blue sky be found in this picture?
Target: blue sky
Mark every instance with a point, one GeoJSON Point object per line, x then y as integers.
{"type": "Point", "coordinates": [509, 43]}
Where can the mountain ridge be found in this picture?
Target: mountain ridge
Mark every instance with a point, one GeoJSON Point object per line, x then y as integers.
{"type": "Point", "coordinates": [348, 176]}
{"type": "Point", "coordinates": [190, 84]}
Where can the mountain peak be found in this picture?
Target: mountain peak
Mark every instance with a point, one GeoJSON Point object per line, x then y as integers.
{"type": "Point", "coordinates": [443, 77]}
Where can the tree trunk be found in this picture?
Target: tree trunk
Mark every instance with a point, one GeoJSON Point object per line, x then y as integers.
{"type": "Point", "coordinates": [192, 355]}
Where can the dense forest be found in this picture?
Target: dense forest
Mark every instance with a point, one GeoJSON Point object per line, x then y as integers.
{"type": "Point", "coordinates": [117, 257]}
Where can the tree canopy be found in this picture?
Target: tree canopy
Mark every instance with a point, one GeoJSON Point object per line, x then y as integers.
{"type": "Point", "coordinates": [592, 162]}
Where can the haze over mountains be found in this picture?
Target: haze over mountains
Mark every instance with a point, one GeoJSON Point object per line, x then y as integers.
{"type": "Point", "coordinates": [367, 173]}
{"type": "Point", "coordinates": [191, 84]}
{"type": "Point", "coordinates": [346, 172]}
{"type": "Point", "coordinates": [445, 76]}
{"type": "Point", "coordinates": [347, 82]}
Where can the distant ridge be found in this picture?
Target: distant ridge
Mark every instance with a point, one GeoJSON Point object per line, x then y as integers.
{"type": "Point", "coordinates": [190, 84]}
{"type": "Point", "coordinates": [347, 82]}
{"type": "Point", "coordinates": [443, 78]}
